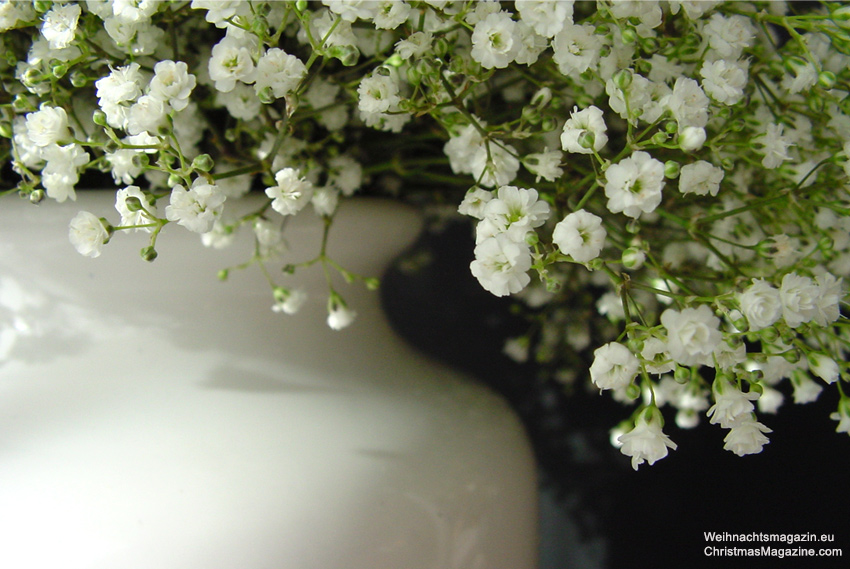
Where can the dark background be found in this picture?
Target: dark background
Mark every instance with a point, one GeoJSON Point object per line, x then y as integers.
{"type": "Point", "coordinates": [596, 511]}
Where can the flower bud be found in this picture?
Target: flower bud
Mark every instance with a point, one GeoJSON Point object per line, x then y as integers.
{"type": "Point", "coordinates": [548, 124]}
{"type": "Point", "coordinates": [266, 96]}
{"type": "Point", "coordinates": [78, 78]}
{"type": "Point", "coordinates": [36, 196]}
{"type": "Point", "coordinates": [203, 162]}
{"type": "Point", "coordinates": [622, 79]}
{"type": "Point", "coordinates": [280, 293]}
{"type": "Point", "coordinates": [629, 35]}
{"type": "Point", "coordinates": [791, 356]}
{"type": "Point", "coordinates": [531, 114]}
{"type": "Point", "coordinates": [174, 180]}
{"type": "Point", "coordinates": [659, 137]}
{"type": "Point", "coordinates": [59, 70]}
{"type": "Point", "coordinates": [301, 5]}
{"type": "Point", "coordinates": [691, 138]}
{"type": "Point", "coordinates": [633, 226]}
{"type": "Point", "coordinates": [141, 160]}
{"type": "Point", "coordinates": [682, 374]}
{"type": "Point", "coordinates": [586, 139]}
{"type": "Point", "coordinates": [531, 239]}
{"type": "Point", "coordinates": [633, 258]}
{"type": "Point", "coordinates": [671, 169]}
{"type": "Point", "coordinates": [6, 130]}
{"type": "Point", "coordinates": [632, 391]}
{"type": "Point", "coordinates": [149, 253]}
{"type": "Point", "coordinates": [223, 274]}
{"type": "Point", "coordinates": [826, 79]}
{"type": "Point", "coordinates": [346, 54]}
{"type": "Point", "coordinates": [541, 98]}
{"type": "Point", "coordinates": [99, 118]}
{"type": "Point", "coordinates": [22, 104]}
{"type": "Point", "coordinates": [133, 203]}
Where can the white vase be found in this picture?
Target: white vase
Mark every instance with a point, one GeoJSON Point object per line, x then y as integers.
{"type": "Point", "coordinates": [154, 417]}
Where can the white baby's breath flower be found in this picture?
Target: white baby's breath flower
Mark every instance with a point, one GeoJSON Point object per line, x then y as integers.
{"type": "Point", "coordinates": [692, 335]}
{"type": "Point", "coordinates": [143, 207]}
{"type": "Point", "coordinates": [576, 48]}
{"type": "Point", "coordinates": [729, 36]}
{"type": "Point", "coordinates": [724, 81]}
{"type": "Point", "coordinates": [352, 10]}
{"type": "Point", "coordinates": [494, 41]}
{"type": "Point", "coordinates": [700, 178]}
{"type": "Point", "coordinates": [761, 304]}
{"type": "Point", "coordinates": [544, 165]}
{"type": "Point", "coordinates": [172, 83]}
{"type": "Point", "coordinates": [414, 45]}
{"type": "Point", "coordinates": [656, 358]}
{"type": "Point", "coordinates": [378, 92]}
{"type": "Point", "coordinates": [774, 145]}
{"type": "Point", "coordinates": [614, 367]}
{"type": "Point", "coordinates": [516, 211]}
{"type": "Point", "coordinates": [117, 91]}
{"type": "Point", "coordinates": [241, 102]}
{"type": "Point", "coordinates": [730, 403]}
{"type": "Point", "coordinates": [830, 295]}
{"type": "Point", "coordinates": [474, 202]}
{"type": "Point", "coordinates": [799, 299]}
{"type": "Point", "coordinates": [59, 26]}
{"type": "Point", "coordinates": [230, 62]}
{"type": "Point", "coordinates": [345, 174]}
{"type": "Point", "coordinates": [823, 367]}
{"type": "Point", "coordinates": [493, 164]}
{"type": "Point", "coordinates": [585, 131]}
{"type": "Point", "coordinates": [339, 315]}
{"type": "Point", "coordinates": [197, 208]}
{"type": "Point", "coordinates": [646, 441]}
{"type": "Point", "coordinates": [291, 302]}
{"type": "Point", "coordinates": [48, 125]}
{"type": "Point", "coordinates": [138, 11]}
{"type": "Point", "coordinates": [220, 11]}
{"type": "Point", "coordinates": [291, 192]}
{"type": "Point", "coordinates": [147, 114]}
{"type": "Point", "coordinates": [325, 200]}
{"type": "Point", "coordinates": [547, 18]}
{"type": "Point", "coordinates": [501, 265]}
{"type": "Point", "coordinates": [390, 14]}
{"type": "Point", "coordinates": [87, 234]}
{"type": "Point", "coordinates": [746, 435]}
{"type": "Point", "coordinates": [633, 186]}
{"type": "Point", "coordinates": [806, 390]}
{"type": "Point", "coordinates": [278, 72]}
{"type": "Point", "coordinates": [14, 14]}
{"type": "Point", "coordinates": [580, 235]}
{"type": "Point", "coordinates": [687, 103]}
{"type": "Point", "coordinates": [62, 170]}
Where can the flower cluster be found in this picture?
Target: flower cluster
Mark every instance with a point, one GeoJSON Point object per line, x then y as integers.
{"type": "Point", "coordinates": [662, 183]}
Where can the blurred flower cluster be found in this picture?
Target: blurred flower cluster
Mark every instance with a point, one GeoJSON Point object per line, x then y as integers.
{"type": "Point", "coordinates": [661, 183]}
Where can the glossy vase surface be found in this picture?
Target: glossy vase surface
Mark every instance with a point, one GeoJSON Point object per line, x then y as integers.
{"type": "Point", "coordinates": [152, 416]}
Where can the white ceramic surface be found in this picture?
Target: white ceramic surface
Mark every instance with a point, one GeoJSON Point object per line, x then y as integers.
{"type": "Point", "coordinates": [152, 417]}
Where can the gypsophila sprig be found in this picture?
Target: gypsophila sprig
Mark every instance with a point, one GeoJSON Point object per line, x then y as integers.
{"type": "Point", "coordinates": [662, 186]}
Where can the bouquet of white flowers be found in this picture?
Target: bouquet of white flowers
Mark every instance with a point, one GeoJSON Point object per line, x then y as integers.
{"type": "Point", "coordinates": [669, 176]}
